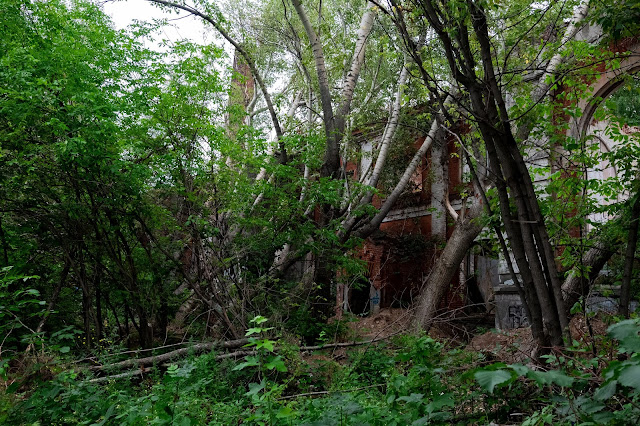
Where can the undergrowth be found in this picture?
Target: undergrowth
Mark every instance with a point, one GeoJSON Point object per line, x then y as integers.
{"type": "Point", "coordinates": [409, 379]}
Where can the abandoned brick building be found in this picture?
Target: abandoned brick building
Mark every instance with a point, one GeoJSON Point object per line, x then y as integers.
{"type": "Point", "coordinates": [402, 252]}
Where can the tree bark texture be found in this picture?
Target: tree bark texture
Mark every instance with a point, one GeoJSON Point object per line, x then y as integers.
{"type": "Point", "coordinates": [575, 285]}
{"type": "Point", "coordinates": [331, 165]}
{"type": "Point", "coordinates": [200, 347]}
{"type": "Point", "coordinates": [526, 229]}
{"type": "Point", "coordinates": [629, 259]}
{"type": "Point", "coordinates": [467, 228]}
{"type": "Point", "coordinates": [230, 344]}
{"type": "Point", "coordinates": [439, 188]}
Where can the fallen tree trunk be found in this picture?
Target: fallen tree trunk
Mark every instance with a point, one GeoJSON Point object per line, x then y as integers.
{"type": "Point", "coordinates": [199, 347]}
{"type": "Point", "coordinates": [141, 371]}
{"type": "Point", "coordinates": [125, 375]}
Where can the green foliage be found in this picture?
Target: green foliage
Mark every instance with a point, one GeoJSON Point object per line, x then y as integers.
{"type": "Point", "coordinates": [311, 328]}
{"type": "Point", "coordinates": [264, 394]}
{"type": "Point", "coordinates": [17, 306]}
{"type": "Point", "coordinates": [411, 380]}
{"type": "Point", "coordinates": [118, 178]}
{"type": "Point", "coordinates": [72, 175]}
{"type": "Point", "coordinates": [625, 104]}
{"type": "Point", "coordinates": [192, 393]}
{"type": "Point", "coordinates": [617, 19]}
{"type": "Point", "coordinates": [412, 387]}
{"type": "Point", "coordinates": [583, 391]}
{"type": "Point", "coordinates": [130, 193]}
{"type": "Point", "coordinates": [489, 379]}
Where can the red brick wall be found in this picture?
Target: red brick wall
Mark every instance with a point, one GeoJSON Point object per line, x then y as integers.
{"type": "Point", "coordinates": [391, 267]}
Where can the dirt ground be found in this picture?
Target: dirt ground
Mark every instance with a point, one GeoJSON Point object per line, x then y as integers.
{"type": "Point", "coordinates": [517, 346]}
{"type": "Point", "coordinates": [509, 346]}
{"type": "Point", "coordinates": [387, 322]}
{"type": "Point", "coordinates": [391, 321]}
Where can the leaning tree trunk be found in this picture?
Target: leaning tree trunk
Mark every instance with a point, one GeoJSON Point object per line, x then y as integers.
{"type": "Point", "coordinates": [439, 188]}
{"type": "Point", "coordinates": [625, 288]}
{"type": "Point", "coordinates": [576, 285]}
{"type": "Point", "coordinates": [488, 104]}
{"type": "Point", "coordinates": [526, 228]}
{"type": "Point", "coordinates": [466, 230]}
{"type": "Point", "coordinates": [334, 126]}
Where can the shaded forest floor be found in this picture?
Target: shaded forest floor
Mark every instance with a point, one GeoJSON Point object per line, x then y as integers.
{"type": "Point", "coordinates": [452, 376]}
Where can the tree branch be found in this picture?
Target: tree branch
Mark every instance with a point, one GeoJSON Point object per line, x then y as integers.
{"type": "Point", "coordinates": [331, 164]}
{"type": "Point", "coordinates": [404, 180]}
{"type": "Point", "coordinates": [247, 58]}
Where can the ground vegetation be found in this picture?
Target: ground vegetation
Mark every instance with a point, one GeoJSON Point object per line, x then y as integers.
{"type": "Point", "coordinates": [178, 220]}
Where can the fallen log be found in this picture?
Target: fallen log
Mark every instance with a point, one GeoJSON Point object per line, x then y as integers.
{"type": "Point", "coordinates": [143, 371]}
{"type": "Point", "coordinates": [344, 344]}
{"type": "Point", "coordinates": [199, 347]}
{"type": "Point", "coordinates": [125, 375]}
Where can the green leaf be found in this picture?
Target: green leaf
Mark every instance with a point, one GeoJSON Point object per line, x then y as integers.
{"type": "Point", "coordinates": [439, 402]}
{"type": "Point", "coordinates": [267, 344]}
{"type": "Point", "coordinates": [603, 417]}
{"type": "Point", "coordinates": [440, 416]}
{"type": "Point", "coordinates": [422, 421]}
{"type": "Point", "coordinates": [172, 370]}
{"type": "Point", "coordinates": [185, 370]}
{"type": "Point", "coordinates": [285, 412]}
{"type": "Point", "coordinates": [606, 391]}
{"type": "Point", "coordinates": [488, 380]}
{"type": "Point", "coordinates": [414, 398]}
{"type": "Point", "coordinates": [630, 376]}
{"type": "Point", "coordinates": [276, 363]}
{"type": "Point", "coordinates": [65, 349]}
{"type": "Point", "coordinates": [588, 405]}
{"type": "Point", "coordinates": [107, 415]}
{"type": "Point", "coordinates": [251, 361]}
{"type": "Point", "coordinates": [551, 377]}
{"type": "Point", "coordinates": [521, 370]}
{"type": "Point", "coordinates": [255, 388]}
{"type": "Point", "coordinates": [627, 333]}
{"type": "Point", "coordinates": [259, 320]}
{"type": "Point", "coordinates": [576, 308]}
{"type": "Point", "coordinates": [184, 421]}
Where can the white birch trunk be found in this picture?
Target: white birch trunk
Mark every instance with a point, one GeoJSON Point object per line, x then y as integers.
{"type": "Point", "coordinates": [579, 13]}
{"type": "Point", "coordinates": [439, 186]}
{"type": "Point", "coordinates": [366, 23]}
{"type": "Point", "coordinates": [332, 162]}
{"type": "Point", "coordinates": [404, 180]}
{"type": "Point", "coordinates": [389, 131]}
